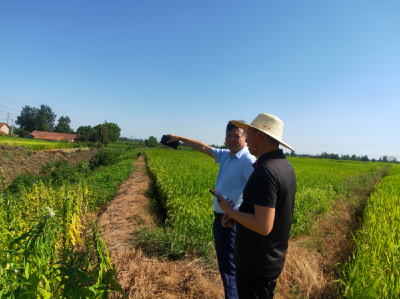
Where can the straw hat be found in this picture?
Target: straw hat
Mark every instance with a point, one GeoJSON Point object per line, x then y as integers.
{"type": "Point", "coordinates": [267, 123]}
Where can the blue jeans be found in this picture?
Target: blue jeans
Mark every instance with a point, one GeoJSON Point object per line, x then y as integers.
{"type": "Point", "coordinates": [224, 241]}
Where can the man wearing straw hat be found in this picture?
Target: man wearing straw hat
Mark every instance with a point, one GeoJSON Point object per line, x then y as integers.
{"type": "Point", "coordinates": [236, 166]}
{"type": "Point", "coordinates": [265, 216]}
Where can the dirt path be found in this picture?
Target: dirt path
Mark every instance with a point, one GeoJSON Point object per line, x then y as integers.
{"type": "Point", "coordinates": [140, 276]}
{"type": "Point", "coordinates": [65, 150]}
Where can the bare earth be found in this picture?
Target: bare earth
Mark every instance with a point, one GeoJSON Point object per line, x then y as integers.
{"type": "Point", "coordinates": [140, 276]}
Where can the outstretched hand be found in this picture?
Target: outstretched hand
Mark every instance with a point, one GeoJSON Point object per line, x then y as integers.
{"type": "Point", "coordinates": [173, 138]}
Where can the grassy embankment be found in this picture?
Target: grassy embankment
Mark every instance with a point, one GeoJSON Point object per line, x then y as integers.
{"type": "Point", "coordinates": [36, 144]}
{"type": "Point", "coordinates": [44, 250]}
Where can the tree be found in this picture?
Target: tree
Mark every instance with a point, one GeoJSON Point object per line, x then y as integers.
{"type": "Point", "coordinates": [293, 154]}
{"type": "Point", "coordinates": [32, 119]}
{"type": "Point", "coordinates": [114, 132]}
{"type": "Point", "coordinates": [365, 158]}
{"type": "Point", "coordinates": [151, 142]}
{"type": "Point", "coordinates": [392, 159]}
{"type": "Point", "coordinates": [383, 159]}
{"type": "Point", "coordinates": [45, 118]}
{"type": "Point", "coordinates": [85, 133]}
{"type": "Point", "coordinates": [63, 125]}
{"type": "Point", "coordinates": [27, 119]}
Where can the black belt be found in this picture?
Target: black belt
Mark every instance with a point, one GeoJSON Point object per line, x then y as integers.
{"type": "Point", "coordinates": [218, 216]}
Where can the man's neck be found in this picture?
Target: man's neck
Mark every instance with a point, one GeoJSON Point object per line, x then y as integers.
{"type": "Point", "coordinates": [265, 150]}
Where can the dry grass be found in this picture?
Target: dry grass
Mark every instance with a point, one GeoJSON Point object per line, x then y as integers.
{"type": "Point", "coordinates": [140, 276]}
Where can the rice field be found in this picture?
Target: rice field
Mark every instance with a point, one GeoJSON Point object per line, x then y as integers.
{"type": "Point", "coordinates": [124, 145]}
{"type": "Point", "coordinates": [183, 179]}
{"type": "Point", "coordinates": [374, 269]}
{"type": "Point", "coordinates": [36, 144]}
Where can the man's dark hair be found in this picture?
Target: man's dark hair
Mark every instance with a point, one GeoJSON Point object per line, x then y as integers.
{"type": "Point", "coordinates": [270, 139]}
{"type": "Point", "coordinates": [231, 126]}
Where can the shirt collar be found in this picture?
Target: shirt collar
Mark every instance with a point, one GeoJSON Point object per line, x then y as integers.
{"type": "Point", "coordinates": [271, 155]}
{"type": "Point", "coordinates": [240, 153]}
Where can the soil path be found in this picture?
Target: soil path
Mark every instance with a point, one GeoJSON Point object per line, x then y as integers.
{"type": "Point", "coordinates": [140, 276]}
{"type": "Point", "coordinates": [65, 150]}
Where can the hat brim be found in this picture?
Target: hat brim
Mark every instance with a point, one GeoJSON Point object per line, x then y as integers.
{"type": "Point", "coordinates": [245, 126]}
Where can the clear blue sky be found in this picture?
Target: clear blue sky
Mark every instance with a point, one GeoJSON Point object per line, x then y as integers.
{"type": "Point", "coordinates": [329, 69]}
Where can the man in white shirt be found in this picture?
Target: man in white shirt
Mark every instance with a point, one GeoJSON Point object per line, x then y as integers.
{"type": "Point", "coordinates": [236, 166]}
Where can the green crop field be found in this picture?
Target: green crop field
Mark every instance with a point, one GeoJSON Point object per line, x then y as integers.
{"type": "Point", "coordinates": [374, 269]}
{"type": "Point", "coordinates": [183, 179]}
{"type": "Point", "coordinates": [44, 250]}
{"type": "Point", "coordinates": [124, 145]}
{"type": "Point", "coordinates": [36, 144]}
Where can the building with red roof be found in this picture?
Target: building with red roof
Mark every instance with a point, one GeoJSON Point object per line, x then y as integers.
{"type": "Point", "coordinates": [51, 136]}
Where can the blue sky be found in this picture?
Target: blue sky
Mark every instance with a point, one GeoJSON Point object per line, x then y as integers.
{"type": "Point", "coordinates": [329, 69]}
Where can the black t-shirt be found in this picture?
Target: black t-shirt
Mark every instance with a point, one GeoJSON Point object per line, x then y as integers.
{"type": "Point", "coordinates": [272, 184]}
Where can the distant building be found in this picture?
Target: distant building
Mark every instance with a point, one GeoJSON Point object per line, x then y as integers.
{"type": "Point", "coordinates": [309, 156]}
{"type": "Point", "coordinates": [4, 128]}
{"type": "Point", "coordinates": [51, 136]}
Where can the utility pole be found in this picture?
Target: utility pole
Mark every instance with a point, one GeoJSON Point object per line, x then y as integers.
{"type": "Point", "coordinates": [12, 127]}
{"type": "Point", "coordinates": [8, 116]}
{"type": "Point", "coordinates": [101, 135]}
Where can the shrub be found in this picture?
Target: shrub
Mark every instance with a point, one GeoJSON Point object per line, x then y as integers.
{"type": "Point", "coordinates": [47, 168]}
{"type": "Point", "coordinates": [131, 148]}
{"type": "Point", "coordinates": [105, 157]}
{"type": "Point", "coordinates": [23, 181]}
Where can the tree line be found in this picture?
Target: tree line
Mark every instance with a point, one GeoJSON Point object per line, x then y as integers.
{"type": "Point", "coordinates": [325, 155]}
{"type": "Point", "coordinates": [43, 119]}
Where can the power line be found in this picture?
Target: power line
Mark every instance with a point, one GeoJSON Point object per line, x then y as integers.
{"type": "Point", "coordinates": [9, 108]}
{"type": "Point", "coordinates": [9, 112]}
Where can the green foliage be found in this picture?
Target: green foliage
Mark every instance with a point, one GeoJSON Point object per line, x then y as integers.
{"type": "Point", "coordinates": [41, 119]}
{"type": "Point", "coordinates": [22, 182]}
{"type": "Point", "coordinates": [105, 157]}
{"type": "Point", "coordinates": [319, 184]}
{"type": "Point", "coordinates": [40, 228]}
{"type": "Point", "coordinates": [373, 270]}
{"type": "Point", "coordinates": [37, 144]}
{"type": "Point", "coordinates": [85, 134]}
{"type": "Point", "coordinates": [113, 133]}
{"type": "Point", "coordinates": [151, 142]}
{"type": "Point", "coordinates": [183, 178]}
{"type": "Point", "coordinates": [63, 125]}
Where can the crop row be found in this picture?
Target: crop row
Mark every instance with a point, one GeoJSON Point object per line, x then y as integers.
{"type": "Point", "coordinates": [373, 271]}
{"type": "Point", "coordinates": [183, 179]}
{"type": "Point", "coordinates": [45, 250]}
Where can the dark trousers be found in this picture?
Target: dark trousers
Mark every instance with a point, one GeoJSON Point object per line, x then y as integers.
{"type": "Point", "coordinates": [255, 287]}
{"type": "Point", "coordinates": [224, 241]}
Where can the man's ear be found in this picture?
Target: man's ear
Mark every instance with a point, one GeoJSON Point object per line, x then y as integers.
{"type": "Point", "coordinates": [260, 135]}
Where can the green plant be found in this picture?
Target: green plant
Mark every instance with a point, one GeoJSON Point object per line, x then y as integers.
{"type": "Point", "coordinates": [105, 157]}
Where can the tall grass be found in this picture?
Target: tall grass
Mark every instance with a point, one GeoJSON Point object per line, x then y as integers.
{"type": "Point", "coordinates": [374, 269]}
{"type": "Point", "coordinates": [45, 252]}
